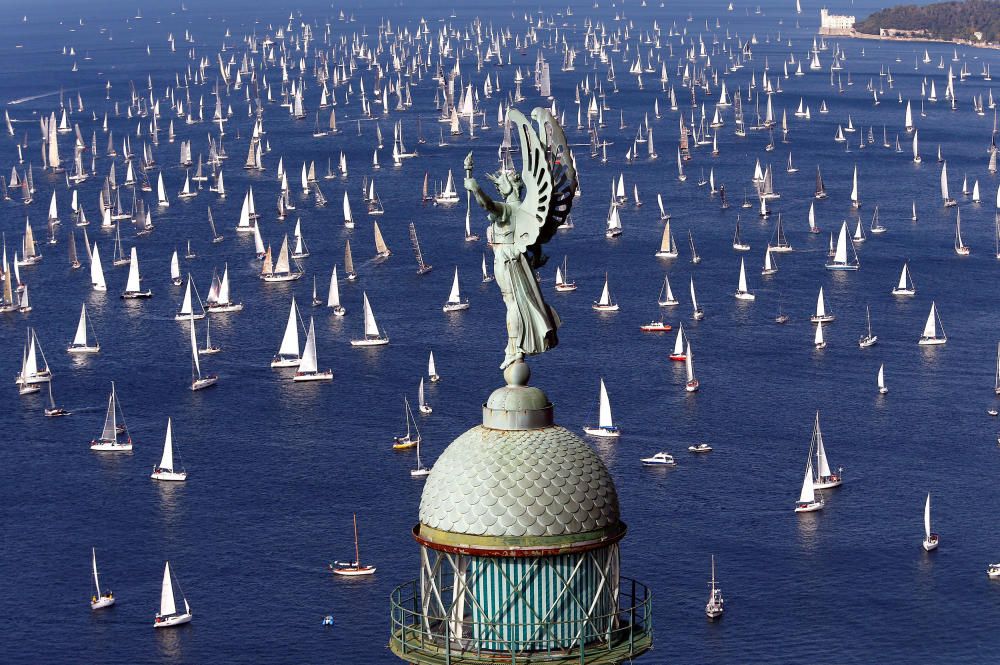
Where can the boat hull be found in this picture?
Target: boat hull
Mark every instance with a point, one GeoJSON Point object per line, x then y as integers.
{"type": "Point", "coordinates": [110, 447]}
{"type": "Point", "coordinates": [809, 507]}
{"type": "Point", "coordinates": [204, 382]}
{"type": "Point", "coordinates": [102, 602]}
{"type": "Point", "coordinates": [369, 342]}
{"type": "Point", "coordinates": [606, 432]}
{"type": "Point", "coordinates": [222, 309]}
{"type": "Point", "coordinates": [168, 474]}
{"type": "Point", "coordinates": [313, 376]}
{"type": "Point", "coordinates": [931, 341]}
{"type": "Point", "coordinates": [931, 544]}
{"type": "Point", "coordinates": [172, 620]}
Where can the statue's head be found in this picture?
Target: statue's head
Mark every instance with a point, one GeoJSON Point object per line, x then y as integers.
{"type": "Point", "coordinates": [507, 182]}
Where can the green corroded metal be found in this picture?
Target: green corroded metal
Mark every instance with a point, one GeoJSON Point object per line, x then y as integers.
{"type": "Point", "coordinates": [542, 482]}
{"type": "Point", "coordinates": [419, 636]}
{"type": "Point", "coordinates": [519, 228]}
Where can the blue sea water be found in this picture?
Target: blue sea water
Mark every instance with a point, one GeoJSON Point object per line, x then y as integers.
{"type": "Point", "coordinates": [277, 469]}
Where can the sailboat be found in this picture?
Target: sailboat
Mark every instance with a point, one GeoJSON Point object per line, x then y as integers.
{"type": "Point", "coordinates": [869, 339]}
{"type": "Point", "coordinates": [288, 352]}
{"type": "Point", "coordinates": [187, 309]}
{"type": "Point", "coordinates": [668, 246]}
{"type": "Point", "coordinates": [100, 599]}
{"type": "Point", "coordinates": [905, 287]}
{"type": "Point", "coordinates": [422, 404]}
{"type": "Point", "coordinates": [109, 441]}
{"type": "Point", "coordinates": [198, 380]}
{"type": "Point", "coordinates": [208, 349]}
{"type": "Point", "coordinates": [948, 201]}
{"type": "Point", "coordinates": [333, 298]}
{"type": "Point", "coordinates": [605, 424]}
{"type": "Point", "coordinates": [930, 335]}
{"type": "Point", "coordinates": [716, 604]}
{"type": "Point", "coordinates": [352, 568]}
{"type": "Point", "coordinates": [880, 379]}
{"type": "Point", "coordinates": [30, 375]}
{"type": "Point", "coordinates": [166, 470]}
{"type": "Point", "coordinates": [80, 343]}
{"type": "Point", "coordinates": [931, 540]}
{"type": "Point", "coordinates": [219, 300]}
{"type": "Point", "coordinates": [412, 436]}
{"type": "Point", "coordinates": [175, 270]}
{"type": "Point", "coordinates": [487, 277]}
{"type": "Point", "coordinates": [133, 288]}
{"type": "Point", "coordinates": [419, 471]}
{"type": "Point", "coordinates": [818, 340]}
{"type": "Point", "coordinates": [605, 304]}
{"type": "Point", "coordinates": [382, 250]}
{"type": "Point", "coordinates": [373, 337]}
{"type": "Point", "coordinates": [96, 271]}
{"type": "Point", "coordinates": [432, 374]}
{"type": "Point", "coordinates": [280, 271]}
{"type": "Point", "coordinates": [960, 247]}
{"type": "Point", "coordinates": [455, 302]}
{"type": "Point", "coordinates": [666, 297]}
{"type": "Point", "coordinates": [692, 384]}
{"type": "Point", "coordinates": [52, 410]}
{"type": "Point", "coordinates": [699, 313]}
{"type": "Point", "coordinates": [742, 293]}
{"type": "Point", "coordinates": [308, 365]}
{"type": "Point", "coordinates": [824, 478]}
{"type": "Point", "coordinates": [808, 501]}
{"type": "Point", "coordinates": [169, 615]}
{"type": "Point", "coordinates": [821, 315]}
{"type": "Point", "coordinates": [738, 243]}
{"type": "Point", "coordinates": [563, 282]}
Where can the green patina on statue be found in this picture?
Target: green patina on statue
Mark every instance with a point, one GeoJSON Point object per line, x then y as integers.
{"type": "Point", "coordinates": [521, 227]}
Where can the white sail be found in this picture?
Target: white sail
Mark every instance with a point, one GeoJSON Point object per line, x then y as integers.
{"type": "Point", "coordinates": [818, 336]}
{"type": "Point", "coordinates": [167, 606]}
{"type": "Point", "coordinates": [333, 300]}
{"type": "Point", "coordinates": [455, 296]}
{"type": "Point", "coordinates": [133, 285]}
{"type": "Point", "coordinates": [902, 278]}
{"type": "Point", "coordinates": [930, 328]}
{"type": "Point", "coordinates": [431, 367]}
{"type": "Point", "coordinates": [742, 287]}
{"type": "Point", "coordinates": [290, 342]}
{"type": "Point", "coordinates": [840, 258]}
{"type": "Point", "coordinates": [167, 459]}
{"type": "Point", "coordinates": [822, 465]}
{"type": "Point", "coordinates": [604, 417]}
{"type": "Point", "coordinates": [605, 293]}
{"type": "Point", "coordinates": [927, 517]}
{"type": "Point", "coordinates": [820, 304]}
{"type": "Point", "coordinates": [96, 271]}
{"type": "Point", "coordinates": [308, 364]}
{"type": "Point", "coordinates": [97, 581]}
{"type": "Point", "coordinates": [371, 327]}
{"type": "Point", "coordinates": [80, 339]}
{"type": "Point", "coordinates": [194, 351]}
{"type": "Point", "coordinates": [689, 362]}
{"type": "Point", "coordinates": [175, 267]}
{"type": "Point", "coordinates": [808, 494]}
{"type": "Point", "coordinates": [881, 376]}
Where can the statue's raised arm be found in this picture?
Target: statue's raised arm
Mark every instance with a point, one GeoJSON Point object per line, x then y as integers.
{"type": "Point", "coordinates": [519, 228]}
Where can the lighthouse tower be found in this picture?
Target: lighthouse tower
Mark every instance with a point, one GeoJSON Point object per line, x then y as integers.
{"type": "Point", "coordinates": [518, 542]}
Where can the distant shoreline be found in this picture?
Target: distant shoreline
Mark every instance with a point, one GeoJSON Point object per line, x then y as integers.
{"type": "Point", "coordinates": [896, 38]}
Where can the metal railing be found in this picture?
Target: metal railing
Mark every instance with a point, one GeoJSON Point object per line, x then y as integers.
{"type": "Point", "coordinates": [609, 638]}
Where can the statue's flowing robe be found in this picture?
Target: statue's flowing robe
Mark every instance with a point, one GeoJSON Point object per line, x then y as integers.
{"type": "Point", "coordinates": [539, 322]}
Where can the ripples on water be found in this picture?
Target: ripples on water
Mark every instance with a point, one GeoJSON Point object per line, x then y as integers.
{"type": "Point", "coordinates": [276, 468]}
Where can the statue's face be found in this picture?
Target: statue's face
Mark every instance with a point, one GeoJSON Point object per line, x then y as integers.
{"type": "Point", "coordinates": [508, 183]}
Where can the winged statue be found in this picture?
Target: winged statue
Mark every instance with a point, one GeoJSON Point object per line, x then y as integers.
{"type": "Point", "coordinates": [520, 226]}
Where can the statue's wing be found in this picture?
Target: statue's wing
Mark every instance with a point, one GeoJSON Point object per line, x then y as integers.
{"type": "Point", "coordinates": [560, 163]}
{"type": "Point", "coordinates": [531, 215]}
